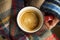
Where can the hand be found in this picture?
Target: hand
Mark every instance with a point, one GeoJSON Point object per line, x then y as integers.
{"type": "Point", "coordinates": [51, 21]}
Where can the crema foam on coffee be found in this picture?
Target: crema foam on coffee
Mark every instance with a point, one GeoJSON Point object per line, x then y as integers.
{"type": "Point", "coordinates": [29, 20]}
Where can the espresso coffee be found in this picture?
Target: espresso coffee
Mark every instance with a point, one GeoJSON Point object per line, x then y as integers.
{"type": "Point", "coordinates": [29, 20]}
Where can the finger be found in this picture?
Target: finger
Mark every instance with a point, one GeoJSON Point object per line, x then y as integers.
{"type": "Point", "coordinates": [47, 25]}
{"type": "Point", "coordinates": [51, 24]}
{"type": "Point", "coordinates": [55, 21]}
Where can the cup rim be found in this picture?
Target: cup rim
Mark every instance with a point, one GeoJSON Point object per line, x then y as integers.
{"type": "Point", "coordinates": [27, 8]}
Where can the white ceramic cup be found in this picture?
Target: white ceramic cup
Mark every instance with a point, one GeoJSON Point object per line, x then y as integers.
{"type": "Point", "coordinates": [34, 9]}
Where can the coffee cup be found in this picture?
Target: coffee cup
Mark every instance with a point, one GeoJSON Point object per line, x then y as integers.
{"type": "Point", "coordinates": [30, 19]}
